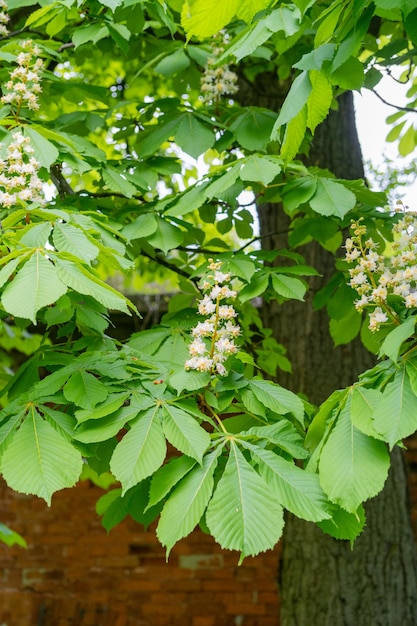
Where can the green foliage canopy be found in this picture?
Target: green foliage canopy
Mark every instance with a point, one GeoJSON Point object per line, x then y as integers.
{"type": "Point", "coordinates": [146, 178]}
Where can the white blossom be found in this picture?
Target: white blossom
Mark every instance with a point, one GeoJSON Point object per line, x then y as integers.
{"type": "Point", "coordinates": [375, 277]}
{"type": "Point", "coordinates": [218, 80]}
{"type": "Point", "coordinates": [214, 337]}
{"type": "Point", "coordinates": [24, 85]}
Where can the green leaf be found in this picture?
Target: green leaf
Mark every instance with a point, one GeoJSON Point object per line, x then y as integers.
{"type": "Point", "coordinates": [345, 329]}
{"type": "Point", "coordinates": [353, 467]}
{"type": "Point", "coordinates": [141, 451]}
{"type": "Point", "coordinates": [183, 431]}
{"type": "Point", "coordinates": [142, 227]}
{"type": "Point", "coordinates": [82, 281]}
{"type": "Point", "coordinates": [39, 460]}
{"type": "Point", "coordinates": [393, 341]}
{"type": "Point", "coordinates": [173, 63]}
{"type": "Point", "coordinates": [70, 238]}
{"type": "Point", "coordinates": [36, 235]}
{"type": "Point", "coordinates": [277, 398]}
{"type": "Point", "coordinates": [298, 192]}
{"type": "Point", "coordinates": [282, 434]}
{"type": "Point", "coordinates": [10, 537]}
{"type": "Point", "coordinates": [10, 424]}
{"type": "Point", "coordinates": [252, 128]}
{"type": "Point", "coordinates": [89, 33]}
{"type": "Point", "coordinates": [395, 416]}
{"type": "Point", "coordinates": [296, 99]}
{"type": "Point", "coordinates": [350, 75]}
{"type": "Point", "coordinates": [247, 9]}
{"type": "Point", "coordinates": [294, 488]}
{"type": "Point", "coordinates": [344, 525]}
{"type": "Point", "coordinates": [84, 390]}
{"type": "Point", "coordinates": [256, 287]}
{"type": "Point", "coordinates": [294, 135]}
{"type": "Point", "coordinates": [363, 404]}
{"type": "Point", "coordinates": [261, 169]}
{"type": "Point", "coordinates": [150, 141]}
{"type": "Point", "coordinates": [188, 380]}
{"type": "Point", "coordinates": [332, 198]}
{"type": "Point", "coordinates": [204, 18]}
{"type": "Point", "coordinates": [36, 285]}
{"type": "Point", "coordinates": [166, 236]}
{"type": "Point", "coordinates": [167, 476]}
{"type": "Point", "coordinates": [185, 507]}
{"type": "Point", "coordinates": [116, 182]}
{"type": "Point", "coordinates": [289, 287]}
{"type": "Point", "coordinates": [320, 99]}
{"type": "Point", "coordinates": [284, 18]}
{"type": "Point", "coordinates": [44, 151]}
{"type": "Point", "coordinates": [193, 136]}
{"type": "Point", "coordinates": [192, 199]}
{"type": "Point", "coordinates": [243, 513]}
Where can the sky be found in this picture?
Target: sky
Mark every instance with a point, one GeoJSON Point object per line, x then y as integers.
{"type": "Point", "coordinates": [372, 129]}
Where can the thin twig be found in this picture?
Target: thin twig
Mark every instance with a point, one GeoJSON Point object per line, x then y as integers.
{"type": "Point", "coordinates": [395, 106]}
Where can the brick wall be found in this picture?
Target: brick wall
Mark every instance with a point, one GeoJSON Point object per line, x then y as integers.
{"type": "Point", "coordinates": [74, 574]}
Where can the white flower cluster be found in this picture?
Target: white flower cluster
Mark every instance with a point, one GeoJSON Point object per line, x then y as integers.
{"type": "Point", "coordinates": [376, 277]}
{"type": "Point", "coordinates": [214, 338]}
{"type": "Point", "coordinates": [221, 80]}
{"type": "Point", "coordinates": [24, 84]}
{"type": "Point", "coordinates": [4, 19]}
{"type": "Point", "coordinates": [19, 180]}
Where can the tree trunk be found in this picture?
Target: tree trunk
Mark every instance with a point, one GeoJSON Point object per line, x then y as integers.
{"type": "Point", "coordinates": [322, 581]}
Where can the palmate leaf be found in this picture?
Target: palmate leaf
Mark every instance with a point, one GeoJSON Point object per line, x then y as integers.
{"type": "Point", "coordinates": [243, 515]}
{"type": "Point", "coordinates": [141, 451]}
{"type": "Point", "coordinates": [353, 466]}
{"type": "Point", "coordinates": [39, 460]}
{"type": "Point", "coordinates": [36, 285]}
{"type": "Point", "coordinates": [183, 431]}
{"type": "Point", "coordinates": [185, 507]}
{"type": "Point", "coordinates": [294, 488]}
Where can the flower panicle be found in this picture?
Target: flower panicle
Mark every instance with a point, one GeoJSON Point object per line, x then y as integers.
{"type": "Point", "coordinates": [19, 178]}
{"type": "Point", "coordinates": [214, 338]}
{"type": "Point", "coordinates": [375, 277]}
{"type": "Point", "coordinates": [218, 80]}
{"type": "Point", "coordinates": [23, 87]}
{"type": "Point", "coordinates": [4, 18]}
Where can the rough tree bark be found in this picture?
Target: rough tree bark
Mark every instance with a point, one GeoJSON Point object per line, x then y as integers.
{"type": "Point", "coordinates": [322, 581]}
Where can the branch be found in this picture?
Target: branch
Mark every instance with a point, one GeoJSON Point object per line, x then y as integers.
{"type": "Point", "coordinates": [61, 184]}
{"type": "Point", "coordinates": [260, 237]}
{"type": "Point", "coordinates": [395, 106]}
{"type": "Point", "coordinates": [169, 266]}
